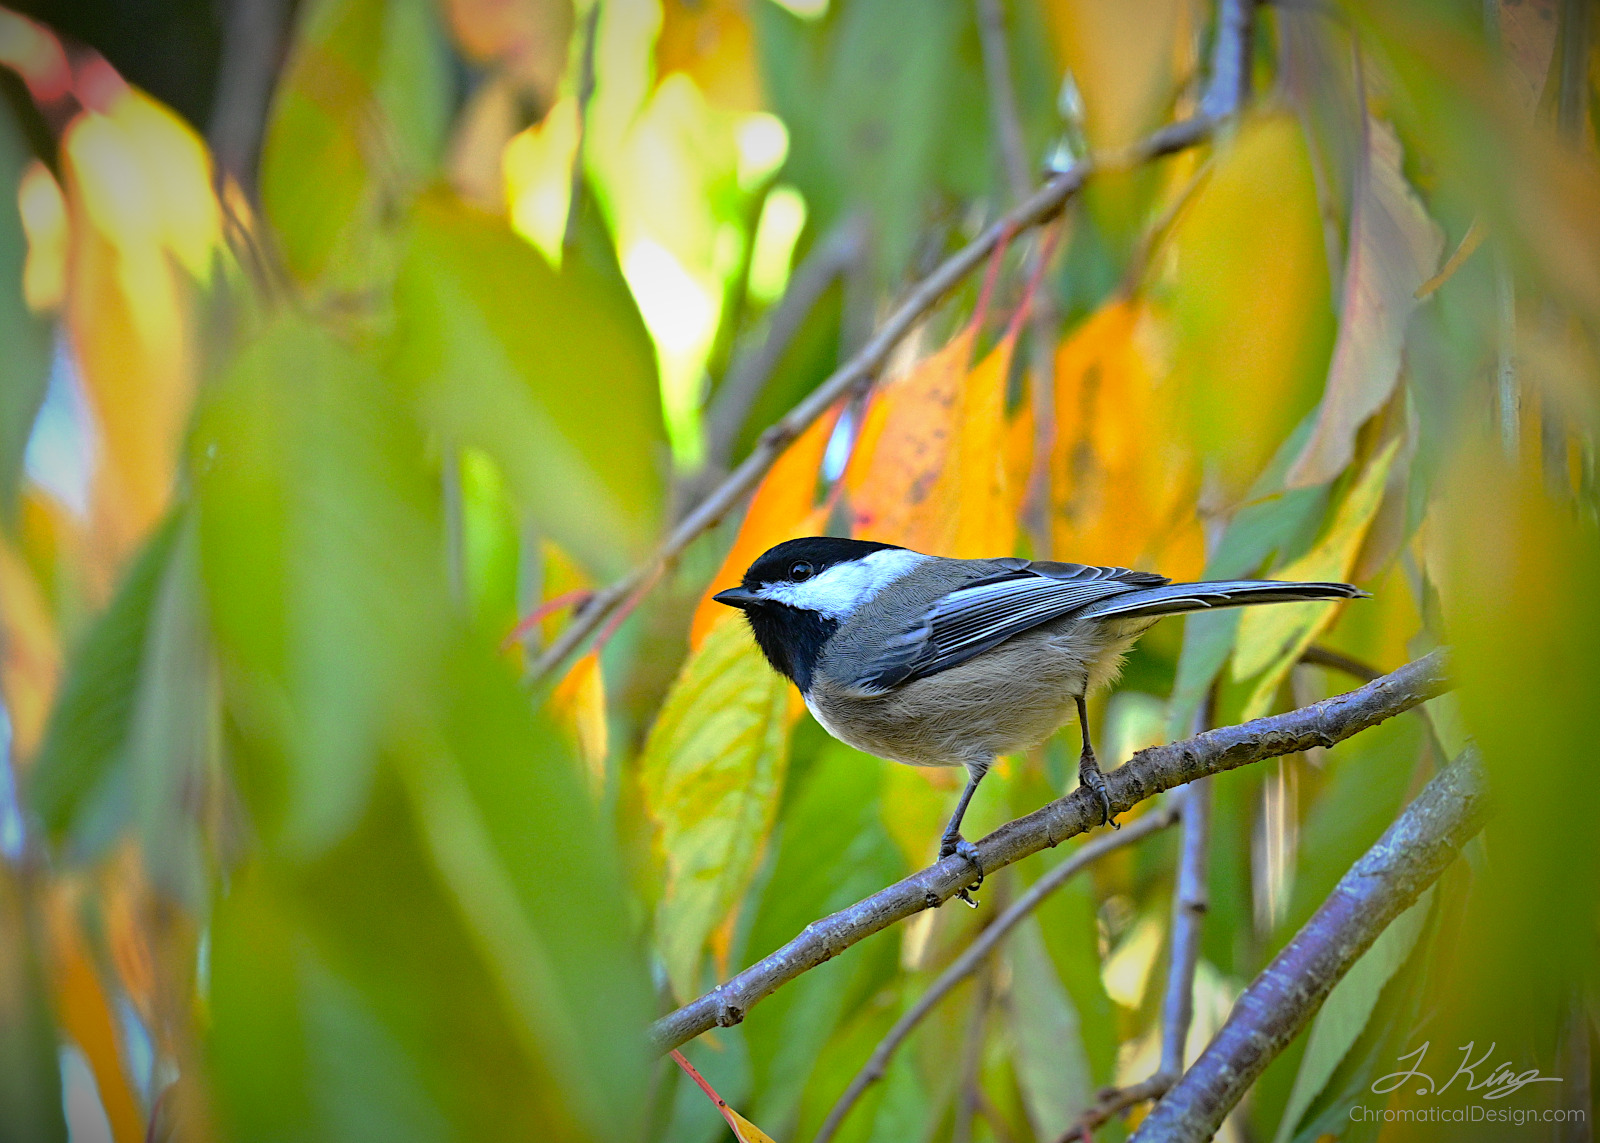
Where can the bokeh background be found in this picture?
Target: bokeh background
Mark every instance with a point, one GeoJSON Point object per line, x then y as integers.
{"type": "Point", "coordinates": [346, 345]}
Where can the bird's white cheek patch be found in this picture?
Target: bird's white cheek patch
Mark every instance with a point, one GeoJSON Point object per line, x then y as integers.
{"type": "Point", "coordinates": [844, 587]}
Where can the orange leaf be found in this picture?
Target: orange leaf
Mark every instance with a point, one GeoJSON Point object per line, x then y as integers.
{"type": "Point", "coordinates": [781, 509]}
{"type": "Point", "coordinates": [1124, 483]}
{"type": "Point", "coordinates": [901, 483]}
{"type": "Point", "coordinates": [579, 701]}
{"type": "Point", "coordinates": [986, 522]}
{"type": "Point", "coordinates": [85, 1014]}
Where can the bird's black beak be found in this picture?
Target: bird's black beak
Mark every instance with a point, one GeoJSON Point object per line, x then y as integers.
{"type": "Point", "coordinates": [737, 597]}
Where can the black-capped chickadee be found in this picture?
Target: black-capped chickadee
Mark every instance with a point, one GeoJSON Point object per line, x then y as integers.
{"type": "Point", "coordinates": [943, 662]}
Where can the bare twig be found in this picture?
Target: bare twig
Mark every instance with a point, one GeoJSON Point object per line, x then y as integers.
{"type": "Point", "coordinates": [752, 369]}
{"type": "Point", "coordinates": [1339, 661]}
{"type": "Point", "coordinates": [252, 51]}
{"type": "Point", "coordinates": [1145, 775]}
{"type": "Point", "coordinates": [1188, 912]}
{"type": "Point", "coordinates": [1230, 59]}
{"type": "Point", "coordinates": [969, 1093]}
{"type": "Point", "coordinates": [977, 953]}
{"type": "Point", "coordinates": [1113, 1102]}
{"type": "Point", "coordinates": [1002, 98]}
{"type": "Point", "coordinates": [591, 29]}
{"type": "Point", "coordinates": [1041, 206]}
{"type": "Point", "coordinates": [1409, 857]}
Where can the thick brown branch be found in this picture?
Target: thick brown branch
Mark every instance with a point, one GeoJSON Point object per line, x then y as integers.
{"type": "Point", "coordinates": [975, 954]}
{"type": "Point", "coordinates": [1281, 1001]}
{"type": "Point", "coordinates": [1146, 774]}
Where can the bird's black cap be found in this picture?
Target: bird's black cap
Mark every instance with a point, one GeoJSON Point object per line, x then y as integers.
{"type": "Point", "coordinates": [792, 639]}
{"type": "Point", "coordinates": [776, 564]}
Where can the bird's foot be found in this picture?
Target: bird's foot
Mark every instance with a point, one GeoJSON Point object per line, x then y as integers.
{"type": "Point", "coordinates": [1089, 776]}
{"type": "Point", "coordinates": [958, 846]}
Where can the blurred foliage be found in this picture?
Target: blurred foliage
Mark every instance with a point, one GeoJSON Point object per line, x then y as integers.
{"type": "Point", "coordinates": [288, 852]}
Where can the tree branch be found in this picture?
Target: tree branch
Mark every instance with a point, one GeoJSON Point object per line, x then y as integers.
{"type": "Point", "coordinates": [1281, 1001]}
{"type": "Point", "coordinates": [1041, 206]}
{"type": "Point", "coordinates": [1146, 774]}
{"type": "Point", "coordinates": [975, 954]}
{"type": "Point", "coordinates": [1189, 905]}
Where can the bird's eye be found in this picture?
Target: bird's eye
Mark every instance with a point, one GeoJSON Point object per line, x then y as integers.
{"type": "Point", "coordinates": [801, 571]}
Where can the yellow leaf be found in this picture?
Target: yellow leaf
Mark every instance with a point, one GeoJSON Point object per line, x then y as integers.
{"type": "Point", "coordinates": [900, 481]}
{"type": "Point", "coordinates": [986, 522]}
{"type": "Point", "coordinates": [932, 463]}
{"type": "Point", "coordinates": [1271, 639]}
{"type": "Point", "coordinates": [1124, 480]}
{"type": "Point", "coordinates": [781, 509]}
{"type": "Point", "coordinates": [579, 700]}
{"type": "Point", "coordinates": [1121, 56]}
{"type": "Point", "coordinates": [711, 41]}
{"type": "Point", "coordinates": [144, 221]}
{"type": "Point", "coordinates": [746, 1131]}
{"type": "Point", "coordinates": [1248, 293]}
{"type": "Point", "coordinates": [712, 769]}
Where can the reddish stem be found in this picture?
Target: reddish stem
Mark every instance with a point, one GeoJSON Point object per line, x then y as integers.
{"type": "Point", "coordinates": [991, 276]}
{"type": "Point", "coordinates": [711, 1093]}
{"type": "Point", "coordinates": [620, 615]}
{"type": "Point", "coordinates": [575, 598]}
{"type": "Point", "coordinates": [1046, 252]}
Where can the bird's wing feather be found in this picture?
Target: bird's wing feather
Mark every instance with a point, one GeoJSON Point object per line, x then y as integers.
{"type": "Point", "coordinates": [986, 612]}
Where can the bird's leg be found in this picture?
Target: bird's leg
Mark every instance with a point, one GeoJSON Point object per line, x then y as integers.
{"type": "Point", "coordinates": [1089, 770]}
{"type": "Point", "coordinates": [952, 842]}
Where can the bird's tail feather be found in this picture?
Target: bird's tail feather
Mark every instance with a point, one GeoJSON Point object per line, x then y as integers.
{"type": "Point", "coordinates": [1176, 598]}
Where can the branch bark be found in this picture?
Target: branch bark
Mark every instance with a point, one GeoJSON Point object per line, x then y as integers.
{"type": "Point", "coordinates": [1408, 858]}
{"type": "Point", "coordinates": [975, 954]}
{"type": "Point", "coordinates": [1146, 774]}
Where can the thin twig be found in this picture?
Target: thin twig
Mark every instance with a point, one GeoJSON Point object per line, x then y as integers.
{"type": "Point", "coordinates": [1189, 904]}
{"type": "Point", "coordinates": [978, 951]}
{"type": "Point", "coordinates": [1113, 1102]}
{"type": "Point", "coordinates": [1041, 206]}
{"type": "Point", "coordinates": [1145, 775]}
{"type": "Point", "coordinates": [969, 1092]}
{"type": "Point", "coordinates": [1279, 1003]}
{"type": "Point", "coordinates": [1002, 97]}
{"type": "Point", "coordinates": [591, 29]}
{"type": "Point", "coordinates": [1339, 661]}
{"type": "Point", "coordinates": [252, 52]}
{"type": "Point", "coordinates": [752, 369]}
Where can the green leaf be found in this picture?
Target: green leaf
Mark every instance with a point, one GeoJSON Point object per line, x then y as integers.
{"type": "Point", "coordinates": [712, 770]}
{"type": "Point", "coordinates": [358, 124]}
{"type": "Point", "coordinates": [551, 375]}
{"type": "Point", "coordinates": [171, 749]}
{"type": "Point", "coordinates": [25, 364]}
{"type": "Point", "coordinates": [867, 97]}
{"type": "Point", "coordinates": [460, 965]}
{"type": "Point", "coordinates": [86, 737]}
{"type": "Point", "coordinates": [1348, 1007]}
{"type": "Point", "coordinates": [832, 850]}
{"type": "Point", "coordinates": [30, 1068]}
{"type": "Point", "coordinates": [1052, 1067]}
{"type": "Point", "coordinates": [321, 552]}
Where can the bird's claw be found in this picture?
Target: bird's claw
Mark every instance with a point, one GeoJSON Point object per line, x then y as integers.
{"type": "Point", "coordinates": [959, 846]}
{"type": "Point", "coordinates": [1089, 775]}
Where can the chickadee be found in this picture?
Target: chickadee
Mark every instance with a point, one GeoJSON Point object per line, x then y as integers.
{"type": "Point", "coordinates": [942, 662]}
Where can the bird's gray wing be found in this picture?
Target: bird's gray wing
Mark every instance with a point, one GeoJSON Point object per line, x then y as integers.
{"type": "Point", "coordinates": [988, 611]}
